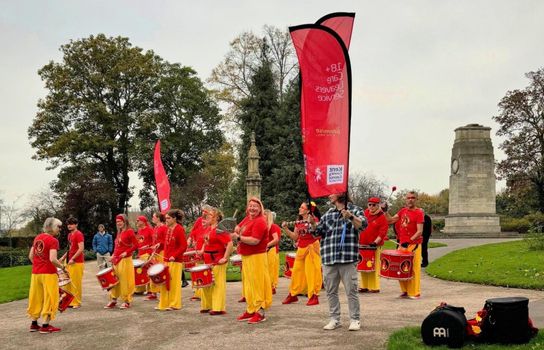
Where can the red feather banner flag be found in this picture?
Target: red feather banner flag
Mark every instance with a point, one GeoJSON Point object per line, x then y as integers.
{"type": "Point", "coordinates": [161, 180]}
{"type": "Point", "coordinates": [341, 23]}
{"type": "Point", "coordinates": [325, 104]}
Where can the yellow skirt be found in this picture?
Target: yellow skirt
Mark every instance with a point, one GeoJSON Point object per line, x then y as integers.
{"type": "Point", "coordinates": [214, 297]}
{"type": "Point", "coordinates": [124, 271]}
{"type": "Point", "coordinates": [172, 298]}
{"type": "Point", "coordinates": [256, 282]}
{"type": "Point", "coordinates": [43, 297]}
{"type": "Point", "coordinates": [306, 274]}
{"type": "Point", "coordinates": [273, 266]}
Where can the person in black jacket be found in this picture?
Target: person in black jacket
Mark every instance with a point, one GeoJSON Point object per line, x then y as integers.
{"type": "Point", "coordinates": [427, 230]}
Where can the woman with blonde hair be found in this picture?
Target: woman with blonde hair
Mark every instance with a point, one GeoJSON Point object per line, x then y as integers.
{"type": "Point", "coordinates": [216, 250]}
{"type": "Point", "coordinates": [125, 244]}
{"type": "Point", "coordinates": [273, 249]}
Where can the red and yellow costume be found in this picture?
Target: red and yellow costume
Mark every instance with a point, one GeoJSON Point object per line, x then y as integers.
{"type": "Point", "coordinates": [43, 297]}
{"type": "Point", "coordinates": [406, 228]}
{"type": "Point", "coordinates": [377, 227]}
{"type": "Point", "coordinates": [306, 274]}
{"type": "Point", "coordinates": [214, 297]}
{"type": "Point", "coordinates": [145, 241]}
{"type": "Point", "coordinates": [75, 270]}
{"type": "Point", "coordinates": [125, 242]}
{"type": "Point", "coordinates": [159, 236]}
{"type": "Point", "coordinates": [256, 279]}
{"type": "Point", "coordinates": [273, 255]}
{"type": "Point", "coordinates": [197, 236]}
{"type": "Point", "coordinates": [175, 245]}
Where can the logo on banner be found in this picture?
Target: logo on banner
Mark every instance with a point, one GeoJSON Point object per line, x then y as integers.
{"type": "Point", "coordinates": [318, 175]}
{"type": "Point", "coordinates": [335, 174]}
{"type": "Point", "coordinates": [164, 204]}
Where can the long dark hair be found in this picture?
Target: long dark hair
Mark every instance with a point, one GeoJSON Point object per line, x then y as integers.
{"type": "Point", "coordinates": [314, 210]}
{"type": "Point", "coordinates": [177, 214]}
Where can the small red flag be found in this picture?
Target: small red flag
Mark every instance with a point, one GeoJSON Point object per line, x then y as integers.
{"type": "Point", "coordinates": [161, 180]}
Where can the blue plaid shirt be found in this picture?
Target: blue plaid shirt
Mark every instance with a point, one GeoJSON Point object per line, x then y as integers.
{"type": "Point", "coordinates": [330, 228]}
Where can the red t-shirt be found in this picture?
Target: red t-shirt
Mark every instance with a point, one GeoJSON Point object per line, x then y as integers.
{"type": "Point", "coordinates": [198, 233]}
{"type": "Point", "coordinates": [305, 238]}
{"type": "Point", "coordinates": [43, 243]}
{"type": "Point", "coordinates": [125, 242]}
{"type": "Point", "coordinates": [256, 228]}
{"type": "Point", "coordinates": [159, 235]}
{"type": "Point", "coordinates": [175, 243]}
{"type": "Point", "coordinates": [377, 226]}
{"type": "Point", "coordinates": [217, 244]}
{"type": "Point", "coordinates": [75, 238]}
{"type": "Point", "coordinates": [277, 230]}
{"type": "Point", "coordinates": [145, 238]}
{"type": "Point", "coordinates": [407, 224]}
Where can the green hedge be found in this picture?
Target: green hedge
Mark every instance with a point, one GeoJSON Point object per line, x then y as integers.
{"type": "Point", "coordinates": [19, 256]}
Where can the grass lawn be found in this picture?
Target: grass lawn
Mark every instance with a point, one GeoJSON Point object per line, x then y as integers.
{"type": "Point", "coordinates": [15, 282]}
{"type": "Point", "coordinates": [508, 264]}
{"type": "Point", "coordinates": [409, 338]}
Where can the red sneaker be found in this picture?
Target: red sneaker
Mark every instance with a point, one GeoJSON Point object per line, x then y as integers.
{"type": "Point", "coordinates": [110, 305]}
{"type": "Point", "coordinates": [290, 299]}
{"type": "Point", "coordinates": [242, 300]}
{"type": "Point", "coordinates": [204, 311]}
{"type": "Point", "coordinates": [314, 300]}
{"type": "Point", "coordinates": [373, 290]}
{"type": "Point", "coordinates": [257, 318]}
{"type": "Point", "coordinates": [216, 313]}
{"type": "Point", "coordinates": [34, 327]}
{"type": "Point", "coordinates": [49, 329]}
{"type": "Point", "coordinates": [363, 290]}
{"type": "Point", "coordinates": [245, 316]}
{"type": "Point", "coordinates": [124, 306]}
{"type": "Point", "coordinates": [404, 295]}
{"type": "Point", "coordinates": [193, 298]}
{"type": "Point", "coordinates": [151, 296]}
{"type": "Point", "coordinates": [273, 290]}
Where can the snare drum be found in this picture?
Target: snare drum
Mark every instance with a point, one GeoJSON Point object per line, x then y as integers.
{"type": "Point", "coordinates": [289, 263]}
{"type": "Point", "coordinates": [236, 260]}
{"type": "Point", "coordinates": [396, 264]}
{"type": "Point", "coordinates": [107, 278]}
{"type": "Point", "coordinates": [190, 258]}
{"type": "Point", "coordinates": [201, 276]}
{"type": "Point", "coordinates": [158, 273]}
{"type": "Point", "coordinates": [65, 298]}
{"type": "Point", "coordinates": [64, 277]}
{"type": "Point", "coordinates": [140, 272]}
{"type": "Point", "coordinates": [367, 258]}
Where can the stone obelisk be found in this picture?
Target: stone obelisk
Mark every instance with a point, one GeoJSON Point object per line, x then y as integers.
{"type": "Point", "coordinates": [253, 179]}
{"type": "Point", "coordinates": [472, 210]}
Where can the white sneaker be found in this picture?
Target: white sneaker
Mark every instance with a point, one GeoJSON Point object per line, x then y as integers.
{"type": "Point", "coordinates": [333, 324]}
{"type": "Point", "coordinates": [354, 325]}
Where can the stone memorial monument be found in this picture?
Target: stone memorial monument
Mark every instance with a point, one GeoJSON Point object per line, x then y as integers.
{"type": "Point", "coordinates": [253, 179]}
{"type": "Point", "coordinates": [472, 210]}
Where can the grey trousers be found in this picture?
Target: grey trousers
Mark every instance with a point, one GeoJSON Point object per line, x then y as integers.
{"type": "Point", "coordinates": [103, 261]}
{"type": "Point", "coordinates": [347, 273]}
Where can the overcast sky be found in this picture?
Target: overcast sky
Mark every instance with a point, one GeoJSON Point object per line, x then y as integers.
{"type": "Point", "coordinates": [420, 68]}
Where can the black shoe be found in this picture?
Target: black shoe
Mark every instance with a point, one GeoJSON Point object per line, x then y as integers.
{"type": "Point", "coordinates": [425, 264]}
{"type": "Point", "coordinates": [184, 284]}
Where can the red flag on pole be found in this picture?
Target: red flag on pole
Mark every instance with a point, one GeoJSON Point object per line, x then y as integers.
{"type": "Point", "coordinates": [161, 180]}
{"type": "Point", "coordinates": [341, 23]}
{"type": "Point", "coordinates": [325, 71]}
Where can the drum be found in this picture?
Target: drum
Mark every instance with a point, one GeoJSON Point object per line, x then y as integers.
{"type": "Point", "coordinates": [158, 273]}
{"type": "Point", "coordinates": [140, 272]}
{"type": "Point", "coordinates": [201, 276]}
{"type": "Point", "coordinates": [190, 258]}
{"type": "Point", "coordinates": [65, 298]}
{"type": "Point", "coordinates": [289, 263]}
{"type": "Point", "coordinates": [107, 278]}
{"type": "Point", "coordinates": [236, 260]}
{"type": "Point", "coordinates": [396, 264]}
{"type": "Point", "coordinates": [64, 278]}
{"type": "Point", "coordinates": [367, 258]}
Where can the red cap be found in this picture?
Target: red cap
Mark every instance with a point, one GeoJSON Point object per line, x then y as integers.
{"type": "Point", "coordinates": [142, 219]}
{"type": "Point", "coordinates": [120, 217]}
{"type": "Point", "coordinates": [374, 200]}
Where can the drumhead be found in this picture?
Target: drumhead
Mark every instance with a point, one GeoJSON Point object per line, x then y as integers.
{"type": "Point", "coordinates": [156, 269]}
{"type": "Point", "coordinates": [236, 257]}
{"type": "Point", "coordinates": [138, 262]}
{"type": "Point", "coordinates": [393, 252]}
{"type": "Point", "coordinates": [104, 271]}
{"type": "Point", "coordinates": [291, 255]}
{"type": "Point", "coordinates": [190, 252]}
{"type": "Point", "coordinates": [199, 268]}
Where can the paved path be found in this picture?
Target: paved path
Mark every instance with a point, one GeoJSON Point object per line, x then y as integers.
{"type": "Point", "coordinates": [288, 326]}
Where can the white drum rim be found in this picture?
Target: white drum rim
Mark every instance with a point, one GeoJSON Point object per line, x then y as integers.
{"type": "Point", "coordinates": [291, 255]}
{"type": "Point", "coordinates": [138, 262]}
{"type": "Point", "coordinates": [104, 271]}
{"type": "Point", "coordinates": [156, 269]}
{"type": "Point", "coordinates": [236, 257]}
{"type": "Point", "coordinates": [199, 268]}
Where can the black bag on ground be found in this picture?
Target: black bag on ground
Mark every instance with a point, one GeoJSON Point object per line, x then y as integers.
{"type": "Point", "coordinates": [506, 321]}
{"type": "Point", "coordinates": [445, 325]}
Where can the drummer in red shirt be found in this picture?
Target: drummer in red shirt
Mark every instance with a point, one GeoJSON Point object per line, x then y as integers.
{"type": "Point", "coordinates": [409, 224]}
{"type": "Point", "coordinates": [217, 249]}
{"type": "Point", "coordinates": [75, 260]}
{"type": "Point", "coordinates": [175, 245]}
{"type": "Point", "coordinates": [145, 243]}
{"type": "Point", "coordinates": [157, 246]}
{"type": "Point", "coordinates": [125, 244]}
{"type": "Point", "coordinates": [374, 236]}
{"type": "Point", "coordinates": [43, 297]}
{"type": "Point", "coordinates": [252, 236]}
{"type": "Point", "coordinates": [196, 240]}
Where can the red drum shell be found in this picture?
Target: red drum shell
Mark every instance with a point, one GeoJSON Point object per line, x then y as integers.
{"type": "Point", "coordinates": [158, 273]}
{"type": "Point", "coordinates": [140, 273]}
{"type": "Point", "coordinates": [65, 298]}
{"type": "Point", "coordinates": [396, 264]}
{"type": "Point", "coordinates": [367, 259]}
{"type": "Point", "coordinates": [289, 263]}
{"type": "Point", "coordinates": [236, 260]}
{"type": "Point", "coordinates": [201, 276]}
{"type": "Point", "coordinates": [107, 278]}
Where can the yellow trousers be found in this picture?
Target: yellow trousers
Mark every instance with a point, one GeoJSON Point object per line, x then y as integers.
{"type": "Point", "coordinates": [413, 286]}
{"type": "Point", "coordinates": [371, 280]}
{"type": "Point", "coordinates": [214, 297]}
{"type": "Point", "coordinates": [256, 282]}
{"type": "Point", "coordinates": [273, 266]}
{"type": "Point", "coordinates": [172, 298]}
{"type": "Point", "coordinates": [124, 271]}
{"type": "Point", "coordinates": [75, 271]}
{"type": "Point", "coordinates": [306, 274]}
{"type": "Point", "coordinates": [43, 297]}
